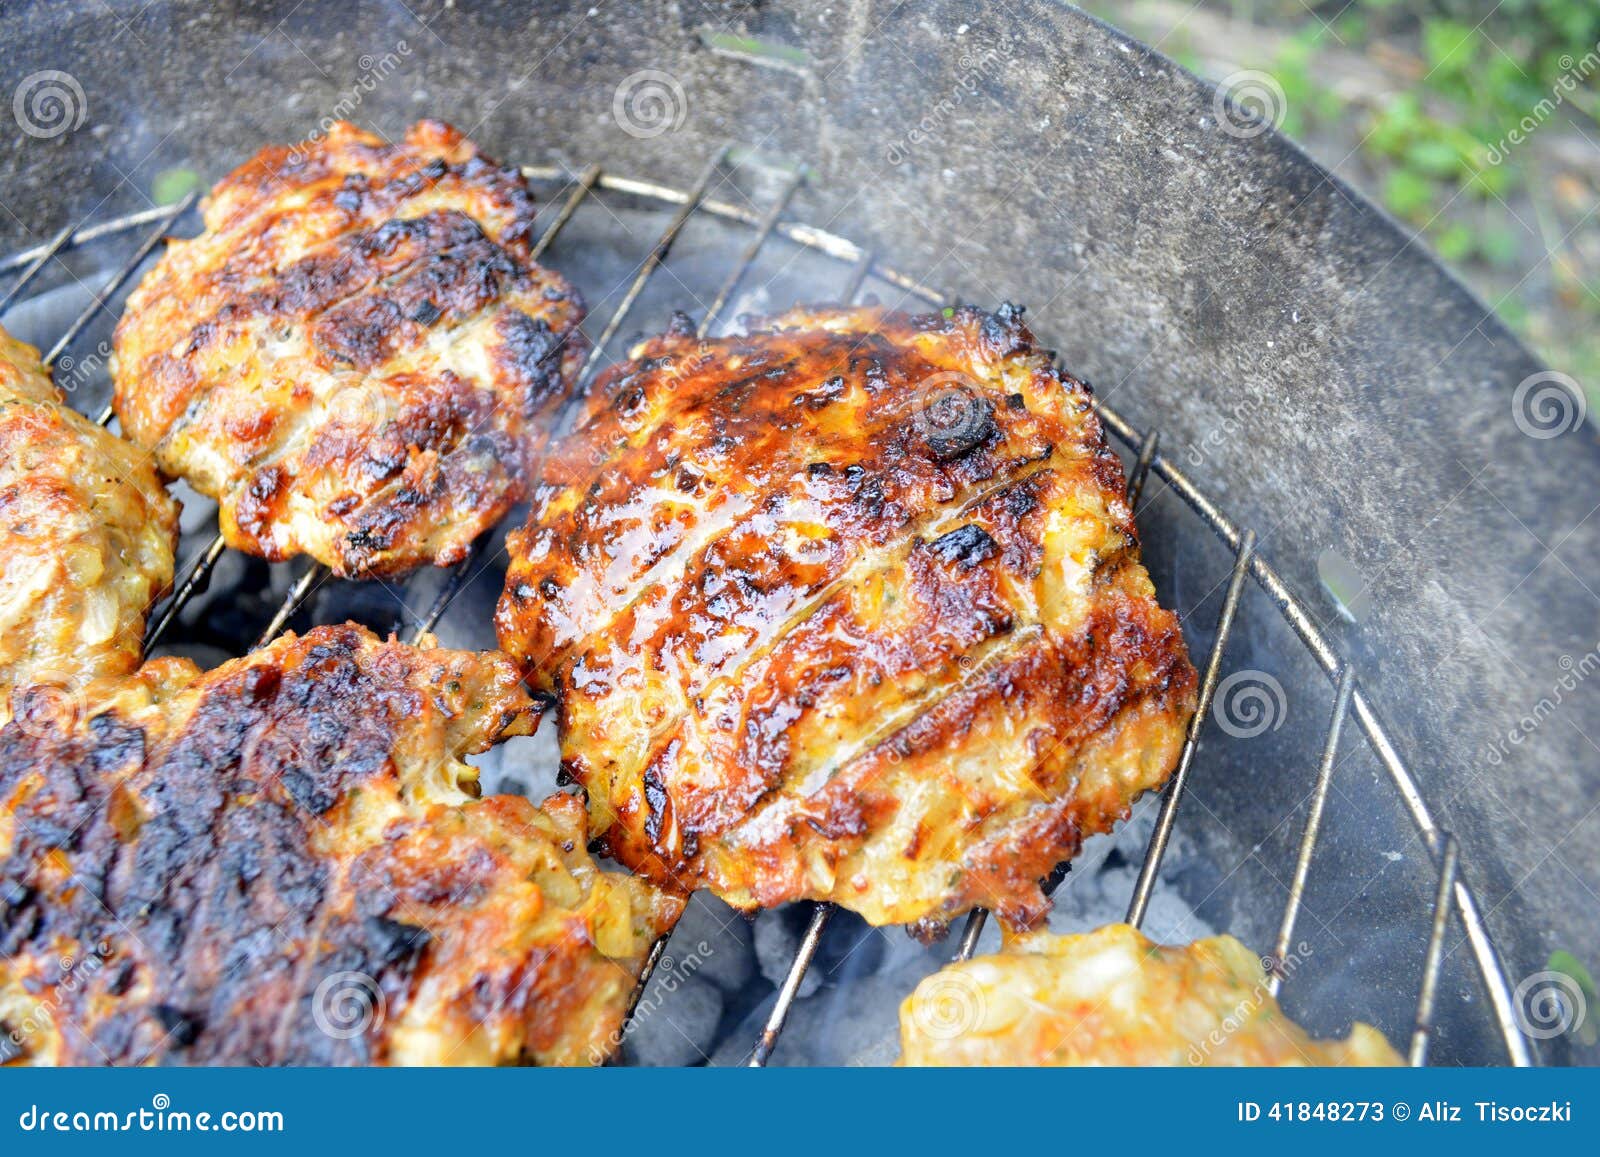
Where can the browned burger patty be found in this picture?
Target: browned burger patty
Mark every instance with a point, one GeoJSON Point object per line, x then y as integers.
{"type": "Point", "coordinates": [281, 862]}
{"type": "Point", "coordinates": [358, 358]}
{"type": "Point", "coordinates": [86, 543]}
{"type": "Point", "coordinates": [849, 608]}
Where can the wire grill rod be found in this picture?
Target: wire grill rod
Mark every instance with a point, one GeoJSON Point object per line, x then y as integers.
{"type": "Point", "coordinates": [1173, 795]}
{"type": "Point", "coordinates": [1308, 839]}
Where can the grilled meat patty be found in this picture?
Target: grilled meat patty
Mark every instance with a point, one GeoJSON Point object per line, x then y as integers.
{"type": "Point", "coordinates": [357, 358]}
{"type": "Point", "coordinates": [87, 534]}
{"type": "Point", "coordinates": [1113, 997]}
{"type": "Point", "coordinates": [851, 609]}
{"type": "Point", "coordinates": [281, 861]}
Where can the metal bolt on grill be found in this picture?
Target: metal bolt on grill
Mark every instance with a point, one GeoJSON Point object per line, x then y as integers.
{"type": "Point", "coordinates": [1452, 894]}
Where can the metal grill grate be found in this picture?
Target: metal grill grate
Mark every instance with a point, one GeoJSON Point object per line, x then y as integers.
{"type": "Point", "coordinates": [861, 263]}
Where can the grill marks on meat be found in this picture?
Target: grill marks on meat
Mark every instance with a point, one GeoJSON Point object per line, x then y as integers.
{"type": "Point", "coordinates": [87, 533]}
{"type": "Point", "coordinates": [281, 861]}
{"type": "Point", "coordinates": [849, 608]}
{"type": "Point", "coordinates": [1113, 997]}
{"type": "Point", "coordinates": [358, 357]}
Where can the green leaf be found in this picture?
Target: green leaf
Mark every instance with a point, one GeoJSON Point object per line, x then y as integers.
{"type": "Point", "coordinates": [1435, 157]}
{"type": "Point", "coordinates": [172, 185]}
{"type": "Point", "coordinates": [1587, 1030]}
{"type": "Point", "coordinates": [1447, 45]}
{"type": "Point", "coordinates": [1455, 242]}
{"type": "Point", "coordinates": [1407, 194]}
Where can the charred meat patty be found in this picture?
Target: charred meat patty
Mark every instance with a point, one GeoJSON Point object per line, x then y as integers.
{"type": "Point", "coordinates": [358, 358]}
{"type": "Point", "coordinates": [282, 861]}
{"type": "Point", "coordinates": [848, 608]}
{"type": "Point", "coordinates": [87, 534]}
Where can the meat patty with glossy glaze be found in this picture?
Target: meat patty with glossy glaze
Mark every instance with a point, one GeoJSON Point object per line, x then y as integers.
{"type": "Point", "coordinates": [849, 608]}
{"type": "Point", "coordinates": [358, 357]}
{"type": "Point", "coordinates": [1113, 997]}
{"type": "Point", "coordinates": [282, 861]}
{"type": "Point", "coordinates": [87, 534]}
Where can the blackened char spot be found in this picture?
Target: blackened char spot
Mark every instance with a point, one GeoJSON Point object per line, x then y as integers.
{"type": "Point", "coordinates": [966, 546]}
{"type": "Point", "coordinates": [182, 1028]}
{"type": "Point", "coordinates": [531, 356]}
{"type": "Point", "coordinates": [656, 800]}
{"type": "Point", "coordinates": [957, 423]}
{"type": "Point", "coordinates": [393, 941]}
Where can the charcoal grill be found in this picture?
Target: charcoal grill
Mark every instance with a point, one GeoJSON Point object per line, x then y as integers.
{"type": "Point", "coordinates": [734, 225]}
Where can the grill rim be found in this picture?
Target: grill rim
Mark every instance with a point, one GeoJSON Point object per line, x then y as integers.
{"type": "Point", "coordinates": [1453, 893]}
